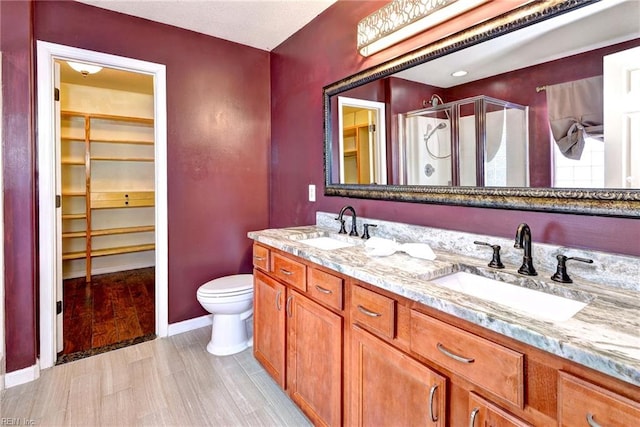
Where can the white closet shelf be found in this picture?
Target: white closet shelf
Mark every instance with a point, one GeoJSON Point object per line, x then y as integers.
{"type": "Point", "coordinates": [112, 129]}
{"type": "Point", "coordinates": [109, 251]}
{"type": "Point", "coordinates": [110, 231]}
{"type": "Point", "coordinates": [74, 216]}
{"type": "Point", "coordinates": [123, 230]}
{"type": "Point", "coordinates": [74, 234]}
{"type": "Point", "coordinates": [122, 159]}
{"type": "Point", "coordinates": [113, 117]}
{"type": "Point", "coordinates": [121, 141]}
{"type": "Point", "coordinates": [73, 162]}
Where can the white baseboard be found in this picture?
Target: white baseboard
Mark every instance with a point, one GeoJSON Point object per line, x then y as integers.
{"type": "Point", "coordinates": [190, 324]}
{"type": "Point", "coordinates": [22, 376]}
{"type": "Point", "coordinates": [107, 270]}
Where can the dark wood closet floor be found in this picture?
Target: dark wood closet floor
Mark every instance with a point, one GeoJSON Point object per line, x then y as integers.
{"type": "Point", "coordinates": [114, 308]}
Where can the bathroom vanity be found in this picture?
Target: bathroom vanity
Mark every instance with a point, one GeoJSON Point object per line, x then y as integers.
{"type": "Point", "coordinates": [361, 340]}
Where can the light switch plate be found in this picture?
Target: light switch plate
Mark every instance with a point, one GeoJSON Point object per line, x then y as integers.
{"type": "Point", "coordinates": [312, 193]}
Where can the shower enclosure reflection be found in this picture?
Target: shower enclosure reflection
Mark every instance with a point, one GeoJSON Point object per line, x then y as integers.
{"type": "Point", "coordinates": [478, 141]}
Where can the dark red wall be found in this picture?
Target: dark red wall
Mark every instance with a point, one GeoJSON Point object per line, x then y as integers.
{"type": "Point", "coordinates": [218, 148]}
{"type": "Point", "coordinates": [324, 52]}
{"type": "Point", "coordinates": [19, 198]}
{"type": "Point", "coordinates": [218, 104]}
{"type": "Point", "coordinates": [218, 137]}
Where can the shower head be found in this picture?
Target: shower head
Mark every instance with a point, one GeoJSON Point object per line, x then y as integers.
{"type": "Point", "coordinates": [430, 132]}
{"type": "Point", "coordinates": [435, 100]}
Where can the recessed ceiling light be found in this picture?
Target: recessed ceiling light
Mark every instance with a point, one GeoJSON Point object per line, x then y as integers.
{"type": "Point", "coordinates": [459, 73]}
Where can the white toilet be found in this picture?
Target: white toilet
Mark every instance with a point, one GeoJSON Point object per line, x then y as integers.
{"type": "Point", "coordinates": [230, 300]}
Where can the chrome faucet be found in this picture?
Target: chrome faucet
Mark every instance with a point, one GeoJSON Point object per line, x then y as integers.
{"type": "Point", "coordinates": [354, 231]}
{"type": "Point", "coordinates": [523, 241]}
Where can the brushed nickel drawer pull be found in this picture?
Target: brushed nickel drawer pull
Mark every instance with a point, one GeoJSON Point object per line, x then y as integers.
{"type": "Point", "coordinates": [368, 312]}
{"type": "Point", "coordinates": [258, 258]}
{"type": "Point", "coordinates": [278, 306]}
{"type": "Point", "coordinates": [454, 356]}
{"type": "Point", "coordinates": [591, 421]}
{"type": "Point", "coordinates": [432, 392]}
{"type": "Point", "coordinates": [288, 307]}
{"type": "Point", "coordinates": [286, 272]}
{"type": "Point", "coordinates": [472, 419]}
{"type": "Point", "coordinates": [323, 290]}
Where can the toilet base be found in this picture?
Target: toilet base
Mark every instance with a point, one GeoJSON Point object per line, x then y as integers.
{"type": "Point", "coordinates": [229, 335]}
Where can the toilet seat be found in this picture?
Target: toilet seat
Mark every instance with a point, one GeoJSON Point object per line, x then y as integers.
{"type": "Point", "coordinates": [228, 286]}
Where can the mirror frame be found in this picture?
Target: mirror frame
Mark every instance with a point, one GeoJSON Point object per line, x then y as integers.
{"type": "Point", "coordinates": [601, 202]}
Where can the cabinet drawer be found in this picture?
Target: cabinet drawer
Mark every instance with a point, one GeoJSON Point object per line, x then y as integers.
{"type": "Point", "coordinates": [583, 404]}
{"type": "Point", "coordinates": [373, 311]}
{"type": "Point", "coordinates": [261, 257]}
{"type": "Point", "coordinates": [122, 199]}
{"type": "Point", "coordinates": [325, 288]}
{"type": "Point", "coordinates": [485, 363]}
{"type": "Point", "coordinates": [289, 271]}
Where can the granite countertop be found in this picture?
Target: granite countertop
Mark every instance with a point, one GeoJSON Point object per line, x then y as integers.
{"type": "Point", "coordinates": [603, 336]}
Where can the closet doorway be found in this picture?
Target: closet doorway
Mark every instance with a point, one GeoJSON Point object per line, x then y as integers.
{"type": "Point", "coordinates": [102, 194]}
{"type": "Point", "coordinates": [107, 207]}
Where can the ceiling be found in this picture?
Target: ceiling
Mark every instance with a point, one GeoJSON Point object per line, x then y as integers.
{"type": "Point", "coordinates": [108, 78]}
{"type": "Point", "coordinates": [601, 24]}
{"type": "Point", "coordinates": [263, 24]}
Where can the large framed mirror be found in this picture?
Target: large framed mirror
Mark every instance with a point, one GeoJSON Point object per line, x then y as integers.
{"type": "Point", "coordinates": [488, 138]}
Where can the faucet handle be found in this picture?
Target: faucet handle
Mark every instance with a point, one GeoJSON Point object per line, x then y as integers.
{"type": "Point", "coordinates": [365, 232]}
{"type": "Point", "coordinates": [495, 261]}
{"type": "Point", "coordinates": [343, 230]}
{"type": "Point", "coordinates": [561, 274]}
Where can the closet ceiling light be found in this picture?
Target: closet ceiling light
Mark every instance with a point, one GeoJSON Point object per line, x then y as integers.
{"type": "Point", "coordinates": [402, 19]}
{"type": "Point", "coordinates": [84, 69]}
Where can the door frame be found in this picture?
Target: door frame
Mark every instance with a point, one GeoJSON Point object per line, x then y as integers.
{"type": "Point", "coordinates": [47, 53]}
{"type": "Point", "coordinates": [379, 149]}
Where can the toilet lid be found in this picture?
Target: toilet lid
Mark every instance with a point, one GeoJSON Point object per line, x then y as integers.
{"type": "Point", "coordinates": [229, 285]}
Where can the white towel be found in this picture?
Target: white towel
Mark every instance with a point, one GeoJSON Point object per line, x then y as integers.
{"type": "Point", "coordinates": [377, 246]}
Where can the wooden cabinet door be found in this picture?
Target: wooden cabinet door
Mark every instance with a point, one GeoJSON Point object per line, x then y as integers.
{"type": "Point", "coordinates": [388, 388]}
{"type": "Point", "coordinates": [483, 413]}
{"type": "Point", "coordinates": [269, 325]}
{"type": "Point", "coordinates": [314, 359]}
{"type": "Point", "coordinates": [582, 403]}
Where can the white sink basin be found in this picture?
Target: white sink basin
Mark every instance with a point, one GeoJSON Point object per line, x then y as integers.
{"type": "Point", "coordinates": [537, 304]}
{"type": "Point", "coordinates": [326, 243]}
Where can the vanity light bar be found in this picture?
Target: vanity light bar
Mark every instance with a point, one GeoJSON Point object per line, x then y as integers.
{"type": "Point", "coordinates": [402, 19]}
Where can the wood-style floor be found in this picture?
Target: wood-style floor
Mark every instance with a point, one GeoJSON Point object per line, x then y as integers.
{"type": "Point", "coordinates": [113, 308]}
{"type": "Point", "coordinates": [167, 381]}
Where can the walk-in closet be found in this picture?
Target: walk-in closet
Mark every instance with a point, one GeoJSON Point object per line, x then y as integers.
{"type": "Point", "coordinates": [107, 208]}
